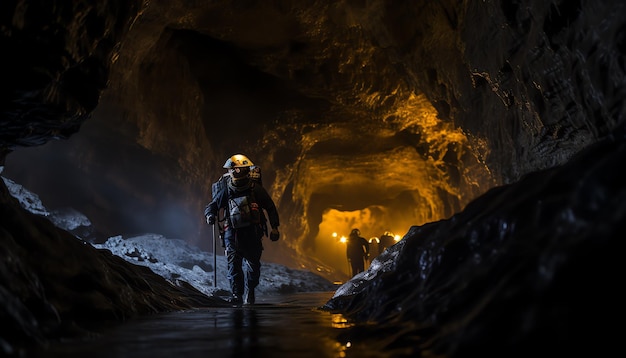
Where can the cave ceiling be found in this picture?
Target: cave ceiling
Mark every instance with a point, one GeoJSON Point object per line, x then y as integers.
{"type": "Point", "coordinates": [374, 114]}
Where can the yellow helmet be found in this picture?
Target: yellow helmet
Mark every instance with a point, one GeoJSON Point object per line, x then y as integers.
{"type": "Point", "coordinates": [239, 169]}
{"type": "Point", "coordinates": [238, 161]}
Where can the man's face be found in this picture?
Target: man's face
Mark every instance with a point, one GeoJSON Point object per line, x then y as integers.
{"type": "Point", "coordinates": [239, 172]}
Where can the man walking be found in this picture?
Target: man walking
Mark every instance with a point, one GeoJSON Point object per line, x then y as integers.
{"type": "Point", "coordinates": [244, 225]}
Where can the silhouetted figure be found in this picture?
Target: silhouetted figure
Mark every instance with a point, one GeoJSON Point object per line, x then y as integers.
{"type": "Point", "coordinates": [358, 250]}
{"type": "Point", "coordinates": [386, 240]}
{"type": "Point", "coordinates": [243, 201]}
{"type": "Point", "coordinates": [375, 242]}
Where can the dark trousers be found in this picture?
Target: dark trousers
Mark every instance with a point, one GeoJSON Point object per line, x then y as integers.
{"type": "Point", "coordinates": [243, 252]}
{"type": "Point", "coordinates": [357, 264]}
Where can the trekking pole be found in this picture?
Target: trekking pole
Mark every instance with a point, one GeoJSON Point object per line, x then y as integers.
{"type": "Point", "coordinates": [214, 256]}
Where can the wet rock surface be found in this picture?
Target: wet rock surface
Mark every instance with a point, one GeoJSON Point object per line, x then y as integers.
{"type": "Point", "coordinates": [526, 269]}
{"type": "Point", "coordinates": [54, 285]}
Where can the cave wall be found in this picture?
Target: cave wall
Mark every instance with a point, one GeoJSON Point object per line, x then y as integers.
{"type": "Point", "coordinates": [347, 106]}
{"type": "Point", "coordinates": [59, 59]}
{"type": "Point", "coordinates": [537, 80]}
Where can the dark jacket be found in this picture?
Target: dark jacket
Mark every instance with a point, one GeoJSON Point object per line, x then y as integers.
{"type": "Point", "coordinates": [260, 195]}
{"type": "Point", "coordinates": [358, 248]}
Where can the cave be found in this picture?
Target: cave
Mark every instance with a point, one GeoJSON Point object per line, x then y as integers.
{"type": "Point", "coordinates": [379, 115]}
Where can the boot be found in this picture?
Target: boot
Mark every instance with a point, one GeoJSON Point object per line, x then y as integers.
{"type": "Point", "coordinates": [236, 289]}
{"type": "Point", "coordinates": [249, 297]}
{"type": "Point", "coordinates": [236, 300]}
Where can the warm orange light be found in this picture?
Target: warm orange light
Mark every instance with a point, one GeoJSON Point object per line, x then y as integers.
{"type": "Point", "coordinates": [374, 239]}
{"type": "Point", "coordinates": [343, 240]}
{"type": "Point", "coordinates": [339, 321]}
{"type": "Point", "coordinates": [334, 234]}
{"type": "Point", "coordinates": [397, 238]}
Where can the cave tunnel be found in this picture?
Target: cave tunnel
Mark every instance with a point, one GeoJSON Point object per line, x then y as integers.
{"type": "Point", "coordinates": [486, 134]}
{"type": "Point", "coordinates": [332, 141]}
{"type": "Point", "coordinates": [377, 177]}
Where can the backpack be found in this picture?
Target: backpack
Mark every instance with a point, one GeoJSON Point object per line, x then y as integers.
{"type": "Point", "coordinates": [219, 186]}
{"type": "Point", "coordinates": [255, 174]}
{"type": "Point", "coordinates": [244, 211]}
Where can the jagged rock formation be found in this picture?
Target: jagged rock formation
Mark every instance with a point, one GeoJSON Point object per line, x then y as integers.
{"type": "Point", "coordinates": [53, 285]}
{"type": "Point", "coordinates": [524, 270]}
{"type": "Point", "coordinates": [370, 114]}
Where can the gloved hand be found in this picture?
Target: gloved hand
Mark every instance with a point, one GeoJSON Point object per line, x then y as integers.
{"type": "Point", "coordinates": [210, 219]}
{"type": "Point", "coordinates": [274, 235]}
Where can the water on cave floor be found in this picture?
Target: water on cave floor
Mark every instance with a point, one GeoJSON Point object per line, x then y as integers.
{"type": "Point", "coordinates": [277, 326]}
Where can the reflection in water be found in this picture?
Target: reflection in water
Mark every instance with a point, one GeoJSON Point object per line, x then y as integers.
{"type": "Point", "coordinates": [281, 326]}
{"type": "Point", "coordinates": [339, 321]}
{"type": "Point", "coordinates": [246, 332]}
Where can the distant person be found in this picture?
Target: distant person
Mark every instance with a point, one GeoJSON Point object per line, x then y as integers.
{"type": "Point", "coordinates": [358, 250]}
{"type": "Point", "coordinates": [244, 225]}
{"type": "Point", "coordinates": [386, 240]}
{"type": "Point", "coordinates": [375, 242]}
